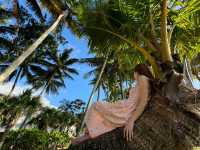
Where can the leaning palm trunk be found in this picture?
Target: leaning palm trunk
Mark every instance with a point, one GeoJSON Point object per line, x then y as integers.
{"type": "Point", "coordinates": [29, 51]}
{"type": "Point", "coordinates": [162, 126]}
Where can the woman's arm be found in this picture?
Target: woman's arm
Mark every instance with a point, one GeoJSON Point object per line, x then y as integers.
{"type": "Point", "coordinates": [142, 96]}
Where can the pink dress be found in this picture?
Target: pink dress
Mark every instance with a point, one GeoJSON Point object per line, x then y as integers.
{"type": "Point", "coordinates": [103, 116]}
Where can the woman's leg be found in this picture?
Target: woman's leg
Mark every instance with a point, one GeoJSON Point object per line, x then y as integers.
{"type": "Point", "coordinates": [86, 135]}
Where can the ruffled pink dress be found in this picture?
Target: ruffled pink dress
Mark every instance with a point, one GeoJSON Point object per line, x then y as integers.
{"type": "Point", "coordinates": [103, 116]}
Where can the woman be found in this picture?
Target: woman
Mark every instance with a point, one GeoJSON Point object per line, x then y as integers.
{"type": "Point", "coordinates": [103, 116]}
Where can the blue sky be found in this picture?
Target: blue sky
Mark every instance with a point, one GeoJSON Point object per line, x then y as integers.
{"type": "Point", "coordinates": [79, 87]}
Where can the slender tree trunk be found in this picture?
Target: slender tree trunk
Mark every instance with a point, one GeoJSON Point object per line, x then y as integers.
{"type": "Point", "coordinates": [94, 90]}
{"type": "Point", "coordinates": [15, 82]}
{"type": "Point", "coordinates": [165, 46]}
{"type": "Point", "coordinates": [29, 51]}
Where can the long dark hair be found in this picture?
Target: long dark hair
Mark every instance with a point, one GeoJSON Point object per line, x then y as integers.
{"type": "Point", "coordinates": [143, 69]}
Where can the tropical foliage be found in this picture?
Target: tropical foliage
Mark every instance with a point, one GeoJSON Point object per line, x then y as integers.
{"type": "Point", "coordinates": [40, 140]}
{"type": "Point", "coordinates": [135, 30]}
{"type": "Point", "coordinates": [53, 125]}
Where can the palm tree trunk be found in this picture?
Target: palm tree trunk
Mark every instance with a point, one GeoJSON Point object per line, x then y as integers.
{"type": "Point", "coordinates": [29, 51]}
{"type": "Point", "coordinates": [161, 127]}
{"type": "Point", "coordinates": [94, 90]}
{"type": "Point", "coordinates": [165, 46]}
{"type": "Point", "coordinates": [15, 82]}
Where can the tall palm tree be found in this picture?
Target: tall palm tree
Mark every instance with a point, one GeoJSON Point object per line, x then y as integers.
{"type": "Point", "coordinates": [57, 8]}
{"type": "Point", "coordinates": [44, 57]}
{"type": "Point", "coordinates": [50, 76]}
{"type": "Point", "coordinates": [29, 51]}
{"type": "Point", "coordinates": [24, 70]}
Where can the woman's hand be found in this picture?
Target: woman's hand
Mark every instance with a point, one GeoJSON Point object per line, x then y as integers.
{"type": "Point", "coordinates": [128, 130]}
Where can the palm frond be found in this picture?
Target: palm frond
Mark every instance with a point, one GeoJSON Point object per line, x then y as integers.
{"type": "Point", "coordinates": [36, 8]}
{"type": "Point", "coordinates": [6, 29]}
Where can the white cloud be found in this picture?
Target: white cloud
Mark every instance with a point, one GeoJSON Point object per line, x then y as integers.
{"type": "Point", "coordinates": [6, 87]}
{"type": "Point", "coordinates": [19, 89]}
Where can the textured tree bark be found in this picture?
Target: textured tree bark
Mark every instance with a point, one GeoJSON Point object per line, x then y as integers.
{"type": "Point", "coordinates": [163, 126]}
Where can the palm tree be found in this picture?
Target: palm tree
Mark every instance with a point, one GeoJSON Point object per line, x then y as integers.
{"type": "Point", "coordinates": [116, 72]}
{"type": "Point", "coordinates": [57, 8]}
{"type": "Point", "coordinates": [44, 57]}
{"type": "Point", "coordinates": [50, 76]}
{"type": "Point", "coordinates": [24, 70]}
{"type": "Point", "coordinates": [122, 22]}
{"type": "Point", "coordinates": [29, 51]}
